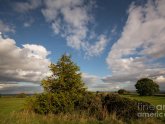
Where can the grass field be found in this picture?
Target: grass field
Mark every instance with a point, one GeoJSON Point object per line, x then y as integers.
{"type": "Point", "coordinates": [11, 113]}
{"type": "Point", "coordinates": [8, 105]}
{"type": "Point", "coordinates": [155, 100]}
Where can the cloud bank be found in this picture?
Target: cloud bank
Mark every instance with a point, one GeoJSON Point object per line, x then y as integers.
{"type": "Point", "coordinates": [28, 63]}
{"type": "Point", "coordinates": [137, 53]}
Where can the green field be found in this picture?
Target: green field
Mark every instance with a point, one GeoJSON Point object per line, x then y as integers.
{"type": "Point", "coordinates": [8, 105]}
{"type": "Point", "coordinates": [11, 113]}
{"type": "Point", "coordinates": [155, 100]}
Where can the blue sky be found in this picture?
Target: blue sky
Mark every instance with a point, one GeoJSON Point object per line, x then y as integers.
{"type": "Point", "coordinates": [115, 42]}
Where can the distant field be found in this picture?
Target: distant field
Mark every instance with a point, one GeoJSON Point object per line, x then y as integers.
{"type": "Point", "coordinates": [155, 100]}
{"type": "Point", "coordinates": [8, 105]}
{"type": "Point", "coordinates": [11, 113]}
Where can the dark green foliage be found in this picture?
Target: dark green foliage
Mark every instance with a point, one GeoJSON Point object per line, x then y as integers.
{"type": "Point", "coordinates": [146, 87]}
{"type": "Point", "coordinates": [62, 89]}
{"type": "Point", "coordinates": [86, 101]}
{"type": "Point", "coordinates": [92, 104]}
{"type": "Point", "coordinates": [123, 107]}
{"type": "Point", "coordinates": [122, 91]}
{"type": "Point", "coordinates": [66, 78]}
{"type": "Point", "coordinates": [50, 103]}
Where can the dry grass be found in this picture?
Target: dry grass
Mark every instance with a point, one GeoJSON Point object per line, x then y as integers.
{"type": "Point", "coordinates": [25, 117]}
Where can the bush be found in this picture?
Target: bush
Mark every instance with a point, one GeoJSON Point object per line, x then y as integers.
{"type": "Point", "coordinates": [92, 105]}
{"type": "Point", "coordinates": [98, 106]}
{"type": "Point", "coordinates": [122, 91]}
{"type": "Point", "coordinates": [124, 107]}
{"type": "Point", "coordinates": [50, 103]}
{"type": "Point", "coordinates": [61, 103]}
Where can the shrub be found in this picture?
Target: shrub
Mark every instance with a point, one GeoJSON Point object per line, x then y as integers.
{"type": "Point", "coordinates": [50, 103]}
{"type": "Point", "coordinates": [92, 105]}
{"type": "Point", "coordinates": [123, 107]}
{"type": "Point", "coordinates": [122, 91]}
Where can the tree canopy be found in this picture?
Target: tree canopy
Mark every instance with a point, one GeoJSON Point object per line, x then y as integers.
{"type": "Point", "coordinates": [66, 78]}
{"type": "Point", "coordinates": [146, 87]}
{"type": "Point", "coordinates": [122, 91]}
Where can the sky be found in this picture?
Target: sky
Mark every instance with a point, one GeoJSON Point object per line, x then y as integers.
{"type": "Point", "coordinates": [115, 42]}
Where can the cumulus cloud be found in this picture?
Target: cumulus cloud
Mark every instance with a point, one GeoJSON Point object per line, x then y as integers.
{"type": "Point", "coordinates": [28, 63]}
{"type": "Point", "coordinates": [97, 48]}
{"type": "Point", "coordinates": [5, 28]}
{"type": "Point", "coordinates": [96, 83]}
{"type": "Point", "coordinates": [70, 19]}
{"type": "Point", "coordinates": [27, 6]}
{"type": "Point", "coordinates": [137, 52]}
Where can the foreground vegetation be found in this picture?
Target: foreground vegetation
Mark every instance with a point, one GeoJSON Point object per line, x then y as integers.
{"type": "Point", "coordinates": [11, 112]}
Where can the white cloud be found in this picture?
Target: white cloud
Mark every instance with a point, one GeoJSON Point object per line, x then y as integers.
{"type": "Point", "coordinates": [96, 83]}
{"type": "Point", "coordinates": [160, 79]}
{"type": "Point", "coordinates": [6, 28]}
{"type": "Point", "coordinates": [27, 6]}
{"type": "Point", "coordinates": [97, 48]}
{"type": "Point", "coordinates": [36, 51]}
{"type": "Point", "coordinates": [70, 19]}
{"type": "Point", "coordinates": [29, 63]}
{"type": "Point", "coordinates": [142, 42]}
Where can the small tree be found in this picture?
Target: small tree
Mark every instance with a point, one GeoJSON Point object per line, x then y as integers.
{"type": "Point", "coordinates": [65, 78]}
{"type": "Point", "coordinates": [146, 87]}
{"type": "Point", "coordinates": [63, 89]}
{"type": "Point", "coordinates": [122, 91]}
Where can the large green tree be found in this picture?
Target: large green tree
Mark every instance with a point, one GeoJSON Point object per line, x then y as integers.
{"type": "Point", "coordinates": [146, 87]}
{"type": "Point", "coordinates": [65, 78]}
